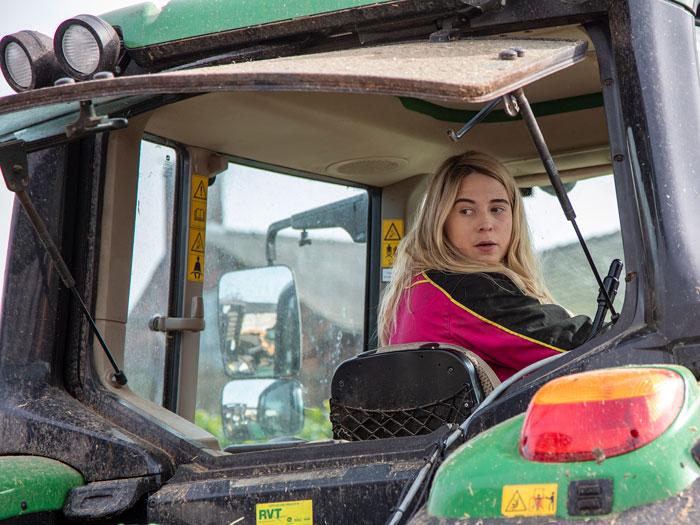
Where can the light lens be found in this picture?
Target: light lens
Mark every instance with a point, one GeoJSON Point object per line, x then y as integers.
{"type": "Point", "coordinates": [80, 49]}
{"type": "Point", "coordinates": [600, 414]}
{"type": "Point", "coordinates": [18, 65]}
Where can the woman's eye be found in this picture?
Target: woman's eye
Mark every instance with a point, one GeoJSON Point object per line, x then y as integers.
{"type": "Point", "coordinates": [498, 209]}
{"type": "Point", "coordinates": [466, 211]}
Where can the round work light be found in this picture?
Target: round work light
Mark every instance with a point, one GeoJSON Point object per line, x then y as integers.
{"type": "Point", "coordinates": [85, 45]}
{"type": "Point", "coordinates": [28, 61]}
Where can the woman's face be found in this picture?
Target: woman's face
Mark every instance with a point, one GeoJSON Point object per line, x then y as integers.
{"type": "Point", "coordinates": [480, 222]}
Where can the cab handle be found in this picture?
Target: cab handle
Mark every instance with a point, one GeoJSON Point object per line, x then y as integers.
{"type": "Point", "coordinates": [195, 323]}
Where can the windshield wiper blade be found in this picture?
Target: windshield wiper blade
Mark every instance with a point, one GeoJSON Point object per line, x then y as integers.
{"type": "Point", "coordinates": [13, 164]}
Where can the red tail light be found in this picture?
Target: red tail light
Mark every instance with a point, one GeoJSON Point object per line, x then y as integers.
{"type": "Point", "coordinates": [600, 414]}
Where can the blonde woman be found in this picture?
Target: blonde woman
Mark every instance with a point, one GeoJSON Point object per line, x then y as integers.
{"type": "Point", "coordinates": [465, 274]}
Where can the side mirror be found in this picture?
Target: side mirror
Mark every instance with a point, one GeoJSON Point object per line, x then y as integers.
{"type": "Point", "coordinates": [259, 326]}
{"type": "Point", "coordinates": [281, 408]}
{"type": "Point", "coordinates": [262, 409]}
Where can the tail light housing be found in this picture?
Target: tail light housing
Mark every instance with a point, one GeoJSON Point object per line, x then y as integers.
{"type": "Point", "coordinates": [599, 414]}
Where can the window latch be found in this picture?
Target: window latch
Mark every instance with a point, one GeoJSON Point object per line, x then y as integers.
{"type": "Point", "coordinates": [195, 323]}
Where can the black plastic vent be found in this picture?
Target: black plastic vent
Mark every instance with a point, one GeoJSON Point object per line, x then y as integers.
{"type": "Point", "coordinates": [590, 497]}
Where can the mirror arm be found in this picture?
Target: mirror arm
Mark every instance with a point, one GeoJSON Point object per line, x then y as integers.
{"type": "Point", "coordinates": [333, 215]}
{"type": "Point", "coordinates": [271, 238]}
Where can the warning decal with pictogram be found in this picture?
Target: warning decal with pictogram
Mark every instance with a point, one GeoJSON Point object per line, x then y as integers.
{"type": "Point", "coordinates": [200, 191]}
{"type": "Point", "coordinates": [392, 233]}
{"type": "Point", "coordinates": [529, 500]}
{"type": "Point", "coordinates": [516, 504]}
{"type": "Point", "coordinates": [198, 242]}
{"type": "Point", "coordinates": [197, 228]}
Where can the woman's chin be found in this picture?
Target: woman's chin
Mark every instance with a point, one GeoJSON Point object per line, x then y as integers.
{"type": "Point", "coordinates": [485, 259]}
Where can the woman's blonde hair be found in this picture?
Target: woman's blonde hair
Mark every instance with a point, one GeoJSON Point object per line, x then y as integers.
{"type": "Point", "coordinates": [426, 246]}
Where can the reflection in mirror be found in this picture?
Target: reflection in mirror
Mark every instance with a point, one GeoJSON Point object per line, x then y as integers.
{"type": "Point", "coordinates": [262, 409]}
{"type": "Point", "coordinates": [259, 323]}
{"type": "Point", "coordinates": [281, 408]}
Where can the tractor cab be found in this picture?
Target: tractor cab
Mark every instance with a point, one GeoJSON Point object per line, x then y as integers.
{"type": "Point", "coordinates": [208, 205]}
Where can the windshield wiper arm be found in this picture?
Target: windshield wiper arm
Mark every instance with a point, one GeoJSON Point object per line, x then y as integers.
{"type": "Point", "coordinates": [13, 164]}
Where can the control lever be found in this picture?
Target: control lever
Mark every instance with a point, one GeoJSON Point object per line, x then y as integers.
{"type": "Point", "coordinates": [610, 283]}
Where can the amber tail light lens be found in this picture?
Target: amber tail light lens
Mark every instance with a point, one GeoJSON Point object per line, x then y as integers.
{"type": "Point", "coordinates": [599, 414]}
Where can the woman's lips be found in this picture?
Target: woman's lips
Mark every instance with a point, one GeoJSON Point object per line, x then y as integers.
{"type": "Point", "coordinates": [486, 246]}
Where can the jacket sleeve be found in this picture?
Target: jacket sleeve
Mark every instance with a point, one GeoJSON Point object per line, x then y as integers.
{"type": "Point", "coordinates": [497, 299]}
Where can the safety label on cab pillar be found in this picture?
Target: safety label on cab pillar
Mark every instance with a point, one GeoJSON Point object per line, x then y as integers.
{"type": "Point", "coordinates": [197, 229]}
{"type": "Point", "coordinates": [529, 500]}
{"type": "Point", "coordinates": [284, 513]}
{"type": "Point", "coordinates": [392, 233]}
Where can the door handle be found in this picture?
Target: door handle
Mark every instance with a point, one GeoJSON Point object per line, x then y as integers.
{"type": "Point", "coordinates": [195, 323]}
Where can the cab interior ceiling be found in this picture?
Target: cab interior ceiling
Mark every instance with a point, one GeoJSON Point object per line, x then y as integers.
{"type": "Point", "coordinates": [381, 140]}
{"type": "Point", "coordinates": [374, 139]}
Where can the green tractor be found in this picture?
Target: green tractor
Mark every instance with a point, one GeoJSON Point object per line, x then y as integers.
{"type": "Point", "coordinates": [209, 197]}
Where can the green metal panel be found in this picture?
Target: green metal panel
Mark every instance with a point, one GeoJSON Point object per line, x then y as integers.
{"type": "Point", "coordinates": [471, 480]}
{"type": "Point", "coordinates": [145, 24]}
{"type": "Point", "coordinates": [30, 484]}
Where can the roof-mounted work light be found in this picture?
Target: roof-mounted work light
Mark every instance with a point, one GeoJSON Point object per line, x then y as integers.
{"type": "Point", "coordinates": [85, 45]}
{"type": "Point", "coordinates": [28, 61]}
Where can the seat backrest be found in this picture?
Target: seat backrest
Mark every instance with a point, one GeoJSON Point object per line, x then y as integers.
{"type": "Point", "coordinates": [406, 390]}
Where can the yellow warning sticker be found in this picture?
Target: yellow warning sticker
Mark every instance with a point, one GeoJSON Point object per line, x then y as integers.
{"type": "Point", "coordinates": [197, 244]}
{"type": "Point", "coordinates": [198, 214]}
{"type": "Point", "coordinates": [392, 233]}
{"type": "Point", "coordinates": [200, 185]}
{"type": "Point", "coordinates": [529, 500]}
{"type": "Point", "coordinates": [284, 513]}
{"type": "Point", "coordinates": [197, 229]}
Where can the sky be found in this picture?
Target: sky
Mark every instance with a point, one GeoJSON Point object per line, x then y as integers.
{"type": "Point", "coordinates": [43, 16]}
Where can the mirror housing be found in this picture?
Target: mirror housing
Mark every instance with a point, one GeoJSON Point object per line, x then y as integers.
{"type": "Point", "coordinates": [259, 323]}
{"type": "Point", "coordinates": [262, 409]}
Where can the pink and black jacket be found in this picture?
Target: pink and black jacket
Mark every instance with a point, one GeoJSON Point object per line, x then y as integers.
{"type": "Point", "coordinates": [489, 315]}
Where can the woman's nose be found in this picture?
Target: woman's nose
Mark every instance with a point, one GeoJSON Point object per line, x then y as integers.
{"type": "Point", "coordinates": [486, 225]}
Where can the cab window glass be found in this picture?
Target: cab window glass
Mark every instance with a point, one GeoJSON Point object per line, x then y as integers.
{"type": "Point", "coordinates": [284, 298]}
{"type": "Point", "coordinates": [144, 352]}
{"type": "Point", "coordinates": [566, 270]}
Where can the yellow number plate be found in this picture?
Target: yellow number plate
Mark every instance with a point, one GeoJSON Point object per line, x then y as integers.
{"type": "Point", "coordinates": [284, 513]}
{"type": "Point", "coordinates": [529, 500]}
